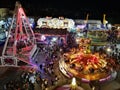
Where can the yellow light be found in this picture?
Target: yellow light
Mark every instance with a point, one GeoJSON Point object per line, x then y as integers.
{"type": "Point", "coordinates": [85, 51]}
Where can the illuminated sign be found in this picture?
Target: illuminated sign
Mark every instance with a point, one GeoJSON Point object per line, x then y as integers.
{"type": "Point", "coordinates": [55, 23]}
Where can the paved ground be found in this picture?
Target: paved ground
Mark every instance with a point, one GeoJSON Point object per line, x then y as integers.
{"type": "Point", "coordinates": [7, 74]}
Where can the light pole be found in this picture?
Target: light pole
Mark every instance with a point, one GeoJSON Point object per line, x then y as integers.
{"type": "Point", "coordinates": [73, 84]}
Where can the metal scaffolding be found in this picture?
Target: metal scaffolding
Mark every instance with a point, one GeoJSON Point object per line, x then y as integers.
{"type": "Point", "coordinates": [20, 44]}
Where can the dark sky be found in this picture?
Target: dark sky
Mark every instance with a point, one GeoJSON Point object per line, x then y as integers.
{"type": "Point", "coordinates": [69, 8]}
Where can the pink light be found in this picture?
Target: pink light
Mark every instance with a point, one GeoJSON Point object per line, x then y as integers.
{"type": "Point", "coordinates": [81, 26]}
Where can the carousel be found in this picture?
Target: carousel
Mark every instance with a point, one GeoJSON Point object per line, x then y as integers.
{"type": "Point", "coordinates": [82, 63]}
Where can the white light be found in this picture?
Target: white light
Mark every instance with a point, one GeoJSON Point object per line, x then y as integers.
{"type": "Point", "coordinates": [54, 39]}
{"type": "Point", "coordinates": [80, 34]}
{"type": "Point", "coordinates": [109, 49]}
{"type": "Point", "coordinates": [2, 22]}
{"type": "Point", "coordinates": [106, 22]}
{"type": "Point", "coordinates": [118, 27]}
{"type": "Point", "coordinates": [77, 40]}
{"type": "Point", "coordinates": [73, 81]}
{"type": "Point", "coordinates": [109, 26]}
{"type": "Point", "coordinates": [43, 38]}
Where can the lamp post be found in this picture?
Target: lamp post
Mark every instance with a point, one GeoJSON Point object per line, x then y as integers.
{"type": "Point", "coordinates": [73, 84]}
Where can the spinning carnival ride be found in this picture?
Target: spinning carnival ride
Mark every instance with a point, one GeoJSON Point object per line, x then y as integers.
{"type": "Point", "coordinates": [83, 64]}
{"type": "Point", "coordinates": [20, 44]}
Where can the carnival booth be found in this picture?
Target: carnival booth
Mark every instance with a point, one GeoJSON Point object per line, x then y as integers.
{"type": "Point", "coordinates": [53, 29]}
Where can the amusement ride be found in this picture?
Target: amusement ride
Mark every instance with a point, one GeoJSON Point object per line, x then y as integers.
{"type": "Point", "coordinates": [20, 45]}
{"type": "Point", "coordinates": [86, 65]}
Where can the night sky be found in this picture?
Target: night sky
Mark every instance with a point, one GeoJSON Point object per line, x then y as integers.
{"type": "Point", "coordinates": [69, 8]}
